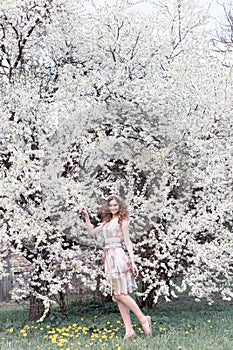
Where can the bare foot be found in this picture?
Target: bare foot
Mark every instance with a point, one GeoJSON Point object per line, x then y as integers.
{"type": "Point", "coordinates": [147, 326]}
{"type": "Point", "coordinates": [130, 335]}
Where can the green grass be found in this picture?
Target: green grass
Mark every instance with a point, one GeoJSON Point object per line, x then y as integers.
{"type": "Point", "coordinates": [183, 325]}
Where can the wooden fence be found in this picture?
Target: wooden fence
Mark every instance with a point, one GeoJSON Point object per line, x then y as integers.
{"type": "Point", "coordinates": [15, 264]}
{"type": "Point", "coordinates": [6, 283]}
{"type": "Point", "coordinates": [5, 287]}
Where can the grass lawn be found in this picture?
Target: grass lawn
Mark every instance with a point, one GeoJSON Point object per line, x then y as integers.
{"type": "Point", "coordinates": [181, 325]}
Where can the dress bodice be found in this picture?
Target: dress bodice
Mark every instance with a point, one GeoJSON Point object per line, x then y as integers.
{"type": "Point", "coordinates": [112, 229]}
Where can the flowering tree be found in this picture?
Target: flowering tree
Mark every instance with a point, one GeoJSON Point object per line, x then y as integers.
{"type": "Point", "coordinates": [224, 38]}
{"type": "Point", "coordinates": [100, 103]}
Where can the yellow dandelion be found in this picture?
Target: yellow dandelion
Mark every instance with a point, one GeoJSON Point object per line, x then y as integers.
{"type": "Point", "coordinates": [208, 321]}
{"type": "Point", "coordinates": [65, 334]}
{"type": "Point", "coordinates": [10, 330]}
{"type": "Point", "coordinates": [186, 332]}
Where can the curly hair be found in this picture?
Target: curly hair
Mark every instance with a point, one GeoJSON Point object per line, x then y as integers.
{"type": "Point", "coordinates": [123, 211]}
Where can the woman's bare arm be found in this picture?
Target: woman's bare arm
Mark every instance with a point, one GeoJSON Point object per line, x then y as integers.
{"type": "Point", "coordinates": [129, 245]}
{"type": "Point", "coordinates": [90, 228]}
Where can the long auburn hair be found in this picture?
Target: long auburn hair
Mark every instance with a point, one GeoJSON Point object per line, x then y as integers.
{"type": "Point", "coordinates": [123, 211]}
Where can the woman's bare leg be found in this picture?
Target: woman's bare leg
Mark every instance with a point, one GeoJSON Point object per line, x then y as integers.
{"type": "Point", "coordinates": [132, 305]}
{"type": "Point", "coordinates": [125, 314]}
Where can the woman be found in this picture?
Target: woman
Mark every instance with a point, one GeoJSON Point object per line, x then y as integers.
{"type": "Point", "coordinates": [120, 273]}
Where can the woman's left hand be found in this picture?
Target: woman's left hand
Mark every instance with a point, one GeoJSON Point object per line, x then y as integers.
{"type": "Point", "coordinates": [135, 270]}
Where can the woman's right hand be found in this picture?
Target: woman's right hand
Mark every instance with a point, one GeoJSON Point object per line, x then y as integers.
{"type": "Point", "coordinates": [135, 270]}
{"type": "Point", "coordinates": [84, 211]}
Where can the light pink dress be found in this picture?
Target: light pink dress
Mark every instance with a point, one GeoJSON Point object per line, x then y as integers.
{"type": "Point", "coordinates": [117, 264]}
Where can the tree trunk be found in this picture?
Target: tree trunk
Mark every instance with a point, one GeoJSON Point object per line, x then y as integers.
{"type": "Point", "coordinates": [36, 309]}
{"type": "Point", "coordinates": [62, 304]}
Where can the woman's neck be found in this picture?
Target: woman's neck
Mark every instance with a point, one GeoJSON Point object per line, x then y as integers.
{"type": "Point", "coordinates": [114, 216]}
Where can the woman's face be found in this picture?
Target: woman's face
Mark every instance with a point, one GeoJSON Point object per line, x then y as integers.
{"type": "Point", "coordinates": [113, 207]}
